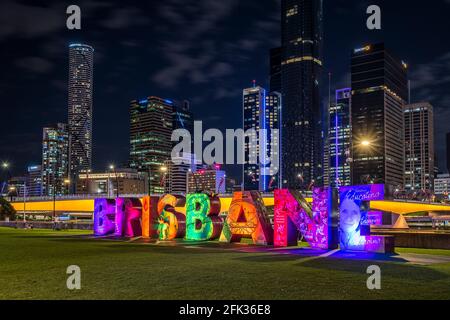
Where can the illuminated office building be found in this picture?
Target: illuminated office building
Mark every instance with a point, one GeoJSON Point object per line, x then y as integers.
{"type": "Point", "coordinates": [448, 152]}
{"type": "Point", "coordinates": [118, 181]}
{"type": "Point", "coordinates": [34, 181]}
{"type": "Point", "coordinates": [301, 67]}
{"type": "Point", "coordinates": [210, 180]}
{"type": "Point", "coordinates": [339, 140]}
{"type": "Point", "coordinates": [55, 160]}
{"type": "Point", "coordinates": [419, 147]}
{"type": "Point", "coordinates": [81, 73]}
{"type": "Point", "coordinates": [379, 92]}
{"type": "Point", "coordinates": [177, 169]}
{"type": "Point", "coordinates": [183, 118]}
{"type": "Point", "coordinates": [442, 185]}
{"type": "Point", "coordinates": [275, 69]}
{"type": "Point", "coordinates": [151, 125]}
{"type": "Point", "coordinates": [261, 112]}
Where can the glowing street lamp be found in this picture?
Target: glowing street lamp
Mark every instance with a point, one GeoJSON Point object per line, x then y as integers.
{"type": "Point", "coordinates": [113, 168]}
{"type": "Point", "coordinates": [366, 143]}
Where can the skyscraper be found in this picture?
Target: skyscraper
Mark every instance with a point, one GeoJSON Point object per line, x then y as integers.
{"type": "Point", "coordinates": [339, 139]}
{"type": "Point", "coordinates": [275, 69]}
{"type": "Point", "coordinates": [175, 181]}
{"type": "Point", "coordinates": [448, 152]}
{"type": "Point", "coordinates": [34, 181]}
{"type": "Point", "coordinates": [419, 147]}
{"type": "Point", "coordinates": [211, 180]}
{"type": "Point", "coordinates": [183, 118]}
{"type": "Point", "coordinates": [261, 112]}
{"type": "Point", "coordinates": [151, 125]}
{"type": "Point", "coordinates": [301, 66]}
{"type": "Point", "coordinates": [81, 73]}
{"type": "Point", "coordinates": [379, 92]}
{"type": "Point", "coordinates": [55, 160]}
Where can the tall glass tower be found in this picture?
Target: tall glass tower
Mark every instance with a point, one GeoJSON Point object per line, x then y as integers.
{"type": "Point", "coordinates": [339, 139]}
{"type": "Point", "coordinates": [81, 73]}
{"type": "Point", "coordinates": [261, 111]}
{"type": "Point", "coordinates": [151, 126]}
{"type": "Point", "coordinates": [55, 144]}
{"type": "Point", "coordinates": [301, 66]}
{"type": "Point", "coordinates": [379, 93]}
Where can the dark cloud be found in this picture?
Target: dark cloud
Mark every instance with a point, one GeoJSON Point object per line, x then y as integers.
{"type": "Point", "coordinates": [123, 18]}
{"type": "Point", "coordinates": [35, 64]}
{"type": "Point", "coordinates": [24, 20]}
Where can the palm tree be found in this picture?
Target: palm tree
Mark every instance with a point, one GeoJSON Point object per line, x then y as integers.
{"type": "Point", "coordinates": [7, 210]}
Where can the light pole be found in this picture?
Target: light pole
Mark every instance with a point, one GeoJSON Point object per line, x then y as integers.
{"type": "Point", "coordinates": [5, 167]}
{"type": "Point", "coordinates": [13, 188]}
{"type": "Point", "coordinates": [113, 168]}
{"type": "Point", "coordinates": [164, 172]}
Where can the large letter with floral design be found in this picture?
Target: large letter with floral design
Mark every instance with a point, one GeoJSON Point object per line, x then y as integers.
{"type": "Point", "coordinates": [202, 217]}
{"type": "Point", "coordinates": [317, 224]}
{"type": "Point", "coordinates": [150, 217]}
{"type": "Point", "coordinates": [355, 219]}
{"type": "Point", "coordinates": [171, 223]}
{"type": "Point", "coordinates": [128, 217]}
{"type": "Point", "coordinates": [104, 216]}
{"type": "Point", "coordinates": [247, 218]}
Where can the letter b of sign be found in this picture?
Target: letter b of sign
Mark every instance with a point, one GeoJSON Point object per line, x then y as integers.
{"type": "Point", "coordinates": [374, 281]}
{"type": "Point", "coordinates": [374, 21]}
{"type": "Point", "coordinates": [74, 20]}
{"type": "Point", "coordinates": [74, 280]}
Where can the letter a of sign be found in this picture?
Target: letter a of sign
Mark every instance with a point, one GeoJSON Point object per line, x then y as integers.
{"type": "Point", "coordinates": [247, 218]}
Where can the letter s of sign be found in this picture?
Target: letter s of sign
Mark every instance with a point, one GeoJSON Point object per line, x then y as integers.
{"type": "Point", "coordinates": [374, 21]}
{"type": "Point", "coordinates": [74, 20]}
{"type": "Point", "coordinates": [74, 280]}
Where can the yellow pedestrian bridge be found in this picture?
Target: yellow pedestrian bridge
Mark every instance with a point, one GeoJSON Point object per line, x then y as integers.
{"type": "Point", "coordinates": [82, 205]}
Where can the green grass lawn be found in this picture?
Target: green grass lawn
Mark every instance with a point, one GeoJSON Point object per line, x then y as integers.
{"type": "Point", "coordinates": [33, 266]}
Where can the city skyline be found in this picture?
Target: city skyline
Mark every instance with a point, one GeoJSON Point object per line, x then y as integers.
{"type": "Point", "coordinates": [109, 111]}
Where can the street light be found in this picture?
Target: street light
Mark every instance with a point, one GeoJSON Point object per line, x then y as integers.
{"type": "Point", "coordinates": [164, 172]}
{"type": "Point", "coordinates": [365, 143]}
{"type": "Point", "coordinates": [14, 188]}
{"type": "Point", "coordinates": [11, 190]}
{"type": "Point", "coordinates": [113, 168]}
{"type": "Point", "coordinates": [5, 167]}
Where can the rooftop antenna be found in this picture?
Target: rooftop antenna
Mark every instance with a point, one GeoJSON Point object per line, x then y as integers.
{"type": "Point", "coordinates": [254, 83]}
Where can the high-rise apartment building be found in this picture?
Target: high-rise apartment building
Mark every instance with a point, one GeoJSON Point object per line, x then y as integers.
{"type": "Point", "coordinates": [81, 73]}
{"type": "Point", "coordinates": [379, 92]}
{"type": "Point", "coordinates": [301, 66]}
{"type": "Point", "coordinates": [339, 139]}
{"type": "Point", "coordinates": [419, 147]}
{"type": "Point", "coordinates": [151, 125]}
{"type": "Point", "coordinates": [55, 160]}
{"type": "Point", "coordinates": [261, 123]}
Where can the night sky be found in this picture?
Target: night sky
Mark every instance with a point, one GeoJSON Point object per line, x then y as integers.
{"type": "Point", "coordinates": [205, 51]}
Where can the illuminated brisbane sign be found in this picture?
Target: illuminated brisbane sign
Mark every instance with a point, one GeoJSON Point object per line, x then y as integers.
{"type": "Point", "coordinates": [157, 217]}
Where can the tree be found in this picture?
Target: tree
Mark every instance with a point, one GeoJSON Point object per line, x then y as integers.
{"type": "Point", "coordinates": [7, 210]}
